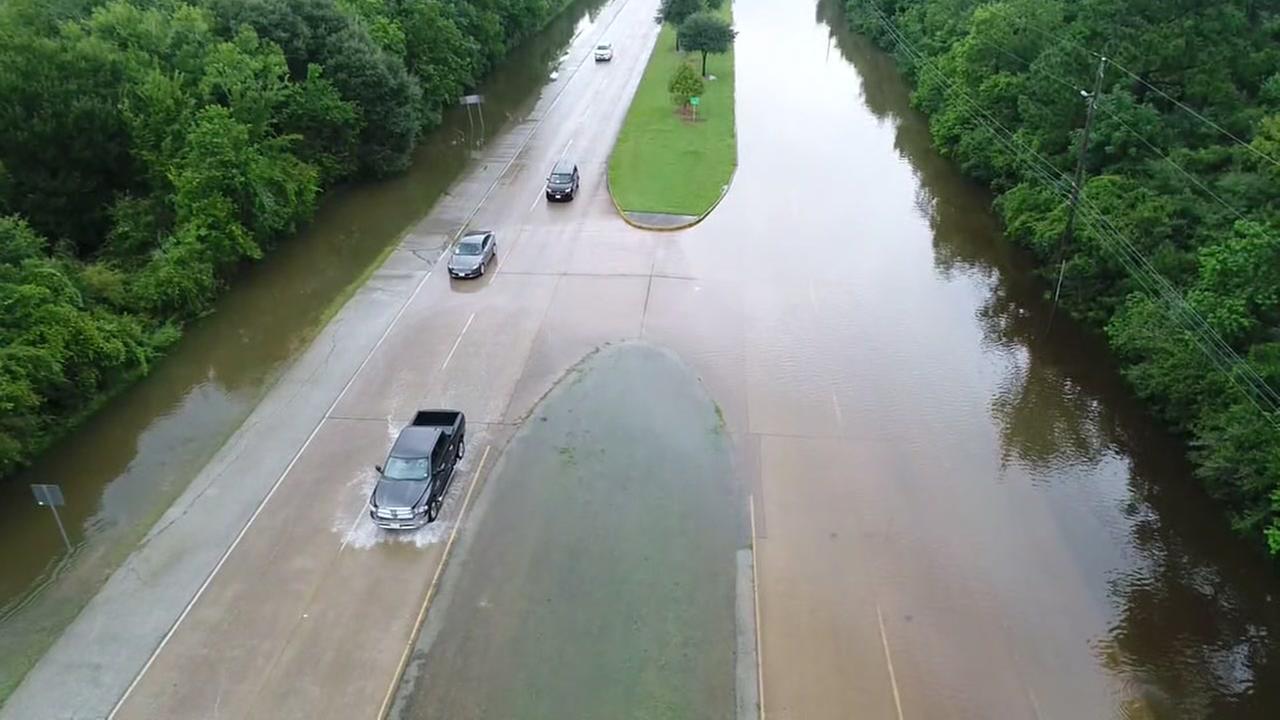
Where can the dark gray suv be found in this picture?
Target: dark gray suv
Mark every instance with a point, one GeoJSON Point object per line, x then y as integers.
{"type": "Point", "coordinates": [562, 183]}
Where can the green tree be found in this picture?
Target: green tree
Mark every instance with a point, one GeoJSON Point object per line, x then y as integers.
{"type": "Point", "coordinates": [1181, 200]}
{"type": "Point", "coordinates": [439, 54]}
{"type": "Point", "coordinates": [706, 32]}
{"type": "Point", "coordinates": [675, 12]}
{"type": "Point", "coordinates": [684, 84]}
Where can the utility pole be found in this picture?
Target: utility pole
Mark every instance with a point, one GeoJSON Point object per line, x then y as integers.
{"type": "Point", "coordinates": [1078, 183]}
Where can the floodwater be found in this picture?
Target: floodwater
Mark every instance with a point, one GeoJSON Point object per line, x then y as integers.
{"type": "Point", "coordinates": [600, 565]}
{"type": "Point", "coordinates": [941, 474]}
{"type": "Point", "coordinates": [124, 467]}
{"type": "Point", "coordinates": [964, 514]}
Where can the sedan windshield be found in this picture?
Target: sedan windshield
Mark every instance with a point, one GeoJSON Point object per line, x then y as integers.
{"type": "Point", "coordinates": [405, 468]}
{"type": "Point", "coordinates": [468, 248]}
{"type": "Point", "coordinates": [560, 178]}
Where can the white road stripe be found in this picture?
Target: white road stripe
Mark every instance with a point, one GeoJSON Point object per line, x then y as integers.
{"type": "Point", "coordinates": [888, 661]}
{"type": "Point", "coordinates": [835, 403]}
{"type": "Point", "coordinates": [755, 596]}
{"type": "Point", "coordinates": [306, 443]}
{"type": "Point", "coordinates": [457, 342]}
{"type": "Point", "coordinates": [258, 511]}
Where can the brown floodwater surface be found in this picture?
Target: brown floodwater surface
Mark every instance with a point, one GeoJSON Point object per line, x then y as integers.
{"type": "Point", "coordinates": [960, 510]}
{"type": "Point", "coordinates": [959, 502]}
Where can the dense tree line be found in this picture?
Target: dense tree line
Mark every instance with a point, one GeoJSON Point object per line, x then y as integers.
{"type": "Point", "coordinates": [150, 147]}
{"type": "Point", "coordinates": [1183, 187]}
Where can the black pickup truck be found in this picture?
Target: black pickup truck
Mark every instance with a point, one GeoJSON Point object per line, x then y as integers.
{"type": "Point", "coordinates": [418, 470]}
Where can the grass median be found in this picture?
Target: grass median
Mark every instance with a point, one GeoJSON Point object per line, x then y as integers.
{"type": "Point", "coordinates": [664, 162]}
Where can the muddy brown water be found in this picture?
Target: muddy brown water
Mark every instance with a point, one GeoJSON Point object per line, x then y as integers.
{"type": "Point", "coordinates": [957, 358]}
{"type": "Point", "coordinates": [1185, 614]}
{"type": "Point", "coordinates": [124, 467]}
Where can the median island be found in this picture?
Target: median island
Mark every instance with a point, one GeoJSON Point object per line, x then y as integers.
{"type": "Point", "coordinates": [677, 150]}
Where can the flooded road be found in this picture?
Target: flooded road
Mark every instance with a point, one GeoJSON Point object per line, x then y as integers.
{"type": "Point", "coordinates": [962, 512]}
{"type": "Point", "coordinates": [134, 458]}
{"type": "Point", "coordinates": [599, 573]}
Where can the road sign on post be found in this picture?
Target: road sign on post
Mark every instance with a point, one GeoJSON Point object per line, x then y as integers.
{"type": "Point", "coordinates": [694, 101]}
{"type": "Point", "coordinates": [478, 101]}
{"type": "Point", "coordinates": [50, 496]}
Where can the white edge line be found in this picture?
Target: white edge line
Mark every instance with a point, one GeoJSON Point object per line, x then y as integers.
{"type": "Point", "coordinates": [835, 403]}
{"type": "Point", "coordinates": [888, 661]}
{"type": "Point", "coordinates": [457, 342]}
{"type": "Point", "coordinates": [431, 589]}
{"type": "Point", "coordinates": [257, 511]}
{"type": "Point", "coordinates": [755, 597]}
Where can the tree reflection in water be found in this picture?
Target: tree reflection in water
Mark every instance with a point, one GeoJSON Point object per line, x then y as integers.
{"type": "Point", "coordinates": [1195, 609]}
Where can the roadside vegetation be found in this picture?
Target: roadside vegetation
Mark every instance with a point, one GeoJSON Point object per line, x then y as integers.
{"type": "Point", "coordinates": [1175, 254]}
{"type": "Point", "coordinates": [672, 156]}
{"type": "Point", "coordinates": [149, 148]}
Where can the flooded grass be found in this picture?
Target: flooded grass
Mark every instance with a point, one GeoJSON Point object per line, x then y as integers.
{"type": "Point", "coordinates": [664, 163]}
{"type": "Point", "coordinates": [598, 576]}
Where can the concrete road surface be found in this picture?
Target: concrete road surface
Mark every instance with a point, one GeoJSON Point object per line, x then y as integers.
{"type": "Point", "coordinates": [309, 615]}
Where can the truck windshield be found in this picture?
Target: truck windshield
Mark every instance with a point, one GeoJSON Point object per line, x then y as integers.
{"type": "Point", "coordinates": [406, 468]}
{"type": "Point", "coordinates": [561, 178]}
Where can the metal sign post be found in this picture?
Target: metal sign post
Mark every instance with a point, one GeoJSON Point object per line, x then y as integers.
{"type": "Point", "coordinates": [51, 496]}
{"type": "Point", "coordinates": [478, 101]}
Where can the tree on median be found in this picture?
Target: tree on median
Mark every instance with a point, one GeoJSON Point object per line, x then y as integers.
{"type": "Point", "coordinates": [675, 12]}
{"type": "Point", "coordinates": [706, 32]}
{"type": "Point", "coordinates": [684, 84]}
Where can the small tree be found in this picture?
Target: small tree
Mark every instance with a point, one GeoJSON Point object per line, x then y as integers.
{"type": "Point", "coordinates": [675, 12]}
{"type": "Point", "coordinates": [706, 32]}
{"type": "Point", "coordinates": [684, 84]}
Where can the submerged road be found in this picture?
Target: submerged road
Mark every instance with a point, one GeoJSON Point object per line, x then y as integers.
{"type": "Point", "coordinates": [947, 524]}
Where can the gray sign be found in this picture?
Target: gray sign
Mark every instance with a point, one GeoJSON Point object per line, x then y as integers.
{"type": "Point", "coordinates": [48, 495]}
{"type": "Point", "coordinates": [471, 100]}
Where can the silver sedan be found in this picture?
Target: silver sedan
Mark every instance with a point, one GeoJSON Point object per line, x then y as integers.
{"type": "Point", "coordinates": [473, 253]}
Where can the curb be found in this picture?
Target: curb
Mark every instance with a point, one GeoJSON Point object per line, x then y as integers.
{"type": "Point", "coordinates": [669, 228]}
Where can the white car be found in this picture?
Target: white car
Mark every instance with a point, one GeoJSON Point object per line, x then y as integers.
{"type": "Point", "coordinates": [604, 52]}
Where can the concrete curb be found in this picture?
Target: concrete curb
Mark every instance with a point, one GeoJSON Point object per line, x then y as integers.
{"type": "Point", "coordinates": [626, 217]}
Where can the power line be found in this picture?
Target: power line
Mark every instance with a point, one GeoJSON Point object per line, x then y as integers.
{"type": "Point", "coordinates": [1167, 296]}
{"type": "Point", "coordinates": [1198, 116]}
{"type": "Point", "coordinates": [1176, 166]}
{"type": "Point", "coordinates": [1024, 22]}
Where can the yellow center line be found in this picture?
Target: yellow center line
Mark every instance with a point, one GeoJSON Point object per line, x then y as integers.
{"type": "Point", "coordinates": [431, 590]}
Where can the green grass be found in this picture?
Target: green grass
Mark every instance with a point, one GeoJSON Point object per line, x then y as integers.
{"type": "Point", "coordinates": [664, 163]}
